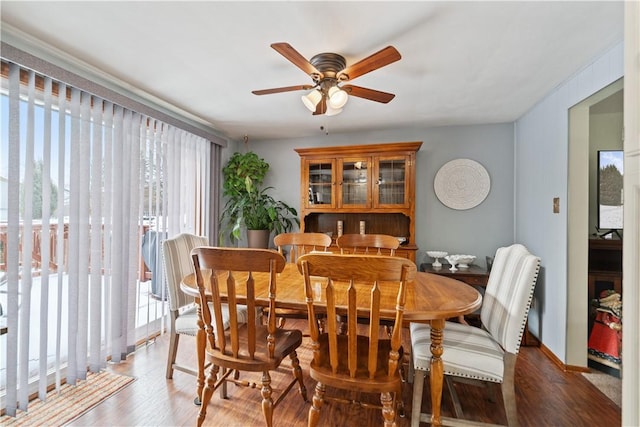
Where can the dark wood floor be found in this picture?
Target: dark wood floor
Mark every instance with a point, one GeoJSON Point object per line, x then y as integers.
{"type": "Point", "coordinates": [546, 396]}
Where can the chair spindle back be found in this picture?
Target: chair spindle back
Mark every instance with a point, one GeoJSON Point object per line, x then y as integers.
{"type": "Point", "coordinates": [301, 243]}
{"type": "Point", "coordinates": [345, 280]}
{"type": "Point", "coordinates": [230, 268]}
{"type": "Point", "coordinates": [372, 244]}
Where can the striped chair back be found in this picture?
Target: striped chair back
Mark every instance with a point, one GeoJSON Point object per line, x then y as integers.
{"type": "Point", "coordinates": [176, 255]}
{"type": "Point", "coordinates": [508, 295]}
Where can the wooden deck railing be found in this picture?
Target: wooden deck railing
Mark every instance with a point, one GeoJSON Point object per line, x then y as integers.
{"type": "Point", "coordinates": [56, 262]}
{"type": "Point", "coordinates": [36, 253]}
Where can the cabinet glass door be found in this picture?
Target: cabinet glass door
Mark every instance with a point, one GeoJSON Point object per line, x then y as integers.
{"type": "Point", "coordinates": [320, 184]}
{"type": "Point", "coordinates": [392, 182]}
{"type": "Point", "coordinates": [356, 178]}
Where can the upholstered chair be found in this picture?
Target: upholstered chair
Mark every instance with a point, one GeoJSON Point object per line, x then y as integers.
{"type": "Point", "coordinates": [487, 354]}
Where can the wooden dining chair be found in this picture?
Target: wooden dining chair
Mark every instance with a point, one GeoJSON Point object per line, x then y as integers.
{"type": "Point", "coordinates": [295, 245]}
{"type": "Point", "coordinates": [373, 244]}
{"type": "Point", "coordinates": [488, 354]}
{"type": "Point", "coordinates": [249, 346]}
{"type": "Point", "coordinates": [363, 360]}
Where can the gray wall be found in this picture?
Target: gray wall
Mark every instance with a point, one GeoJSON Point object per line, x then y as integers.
{"type": "Point", "coordinates": [478, 231]}
{"type": "Point", "coordinates": [527, 163]}
{"type": "Point", "coordinates": [541, 173]}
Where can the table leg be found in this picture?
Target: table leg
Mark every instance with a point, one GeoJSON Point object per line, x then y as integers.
{"type": "Point", "coordinates": [437, 372]}
{"type": "Point", "coordinates": [201, 339]}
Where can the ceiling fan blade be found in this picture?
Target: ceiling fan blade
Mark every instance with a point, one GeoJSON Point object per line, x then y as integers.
{"type": "Point", "coordinates": [296, 59]}
{"type": "Point", "coordinates": [321, 108]}
{"type": "Point", "coordinates": [281, 89]}
{"type": "Point", "coordinates": [379, 59]}
{"type": "Point", "coordinates": [370, 94]}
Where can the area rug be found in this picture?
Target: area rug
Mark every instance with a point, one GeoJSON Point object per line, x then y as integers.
{"type": "Point", "coordinates": [609, 385]}
{"type": "Point", "coordinates": [72, 401]}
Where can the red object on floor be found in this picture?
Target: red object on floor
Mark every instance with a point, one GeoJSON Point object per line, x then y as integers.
{"type": "Point", "coordinates": [606, 334]}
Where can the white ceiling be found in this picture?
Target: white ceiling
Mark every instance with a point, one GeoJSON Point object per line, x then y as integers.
{"type": "Point", "coordinates": [462, 62]}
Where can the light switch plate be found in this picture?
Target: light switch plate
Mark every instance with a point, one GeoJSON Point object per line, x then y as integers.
{"type": "Point", "coordinates": [556, 205]}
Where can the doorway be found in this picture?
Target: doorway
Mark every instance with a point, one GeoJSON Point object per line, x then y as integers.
{"type": "Point", "coordinates": [594, 124]}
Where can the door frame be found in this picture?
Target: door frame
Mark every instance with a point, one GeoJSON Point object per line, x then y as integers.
{"type": "Point", "coordinates": [578, 227]}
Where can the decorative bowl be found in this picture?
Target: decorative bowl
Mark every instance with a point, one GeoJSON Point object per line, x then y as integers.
{"type": "Point", "coordinates": [462, 261]}
{"type": "Point", "coordinates": [436, 255]}
{"type": "Point", "coordinates": [401, 240]}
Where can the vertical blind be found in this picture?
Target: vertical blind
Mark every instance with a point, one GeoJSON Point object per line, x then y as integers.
{"type": "Point", "coordinates": [82, 180]}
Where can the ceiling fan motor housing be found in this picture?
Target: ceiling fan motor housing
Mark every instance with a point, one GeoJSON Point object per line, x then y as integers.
{"type": "Point", "coordinates": [329, 64]}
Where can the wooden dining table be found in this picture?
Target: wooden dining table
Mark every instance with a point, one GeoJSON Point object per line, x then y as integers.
{"type": "Point", "coordinates": [430, 298]}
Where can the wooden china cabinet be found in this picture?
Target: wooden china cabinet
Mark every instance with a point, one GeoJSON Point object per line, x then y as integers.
{"type": "Point", "coordinates": [374, 183]}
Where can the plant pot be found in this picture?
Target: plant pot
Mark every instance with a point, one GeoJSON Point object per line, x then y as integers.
{"type": "Point", "coordinates": [258, 239]}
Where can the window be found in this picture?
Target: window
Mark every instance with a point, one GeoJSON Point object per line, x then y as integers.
{"type": "Point", "coordinates": [84, 186]}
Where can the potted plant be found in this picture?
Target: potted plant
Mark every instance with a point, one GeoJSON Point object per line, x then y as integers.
{"type": "Point", "coordinates": [249, 205]}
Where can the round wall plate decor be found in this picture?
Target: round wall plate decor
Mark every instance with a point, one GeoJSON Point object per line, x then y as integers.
{"type": "Point", "coordinates": [462, 184]}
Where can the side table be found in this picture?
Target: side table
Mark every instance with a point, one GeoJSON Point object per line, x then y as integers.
{"type": "Point", "coordinates": [475, 276]}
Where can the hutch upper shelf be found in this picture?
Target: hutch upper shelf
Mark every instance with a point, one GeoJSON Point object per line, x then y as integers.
{"type": "Point", "coordinates": [374, 183]}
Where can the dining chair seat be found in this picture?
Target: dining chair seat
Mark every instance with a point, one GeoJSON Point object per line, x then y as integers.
{"type": "Point", "coordinates": [187, 322]}
{"type": "Point", "coordinates": [286, 341]}
{"type": "Point", "coordinates": [469, 352]}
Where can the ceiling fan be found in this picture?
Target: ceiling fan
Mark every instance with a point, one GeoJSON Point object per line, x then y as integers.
{"type": "Point", "coordinates": [328, 70]}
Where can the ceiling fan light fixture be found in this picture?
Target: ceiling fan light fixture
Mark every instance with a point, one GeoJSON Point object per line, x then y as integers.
{"type": "Point", "coordinates": [337, 97]}
{"type": "Point", "coordinates": [332, 111]}
{"type": "Point", "coordinates": [312, 99]}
